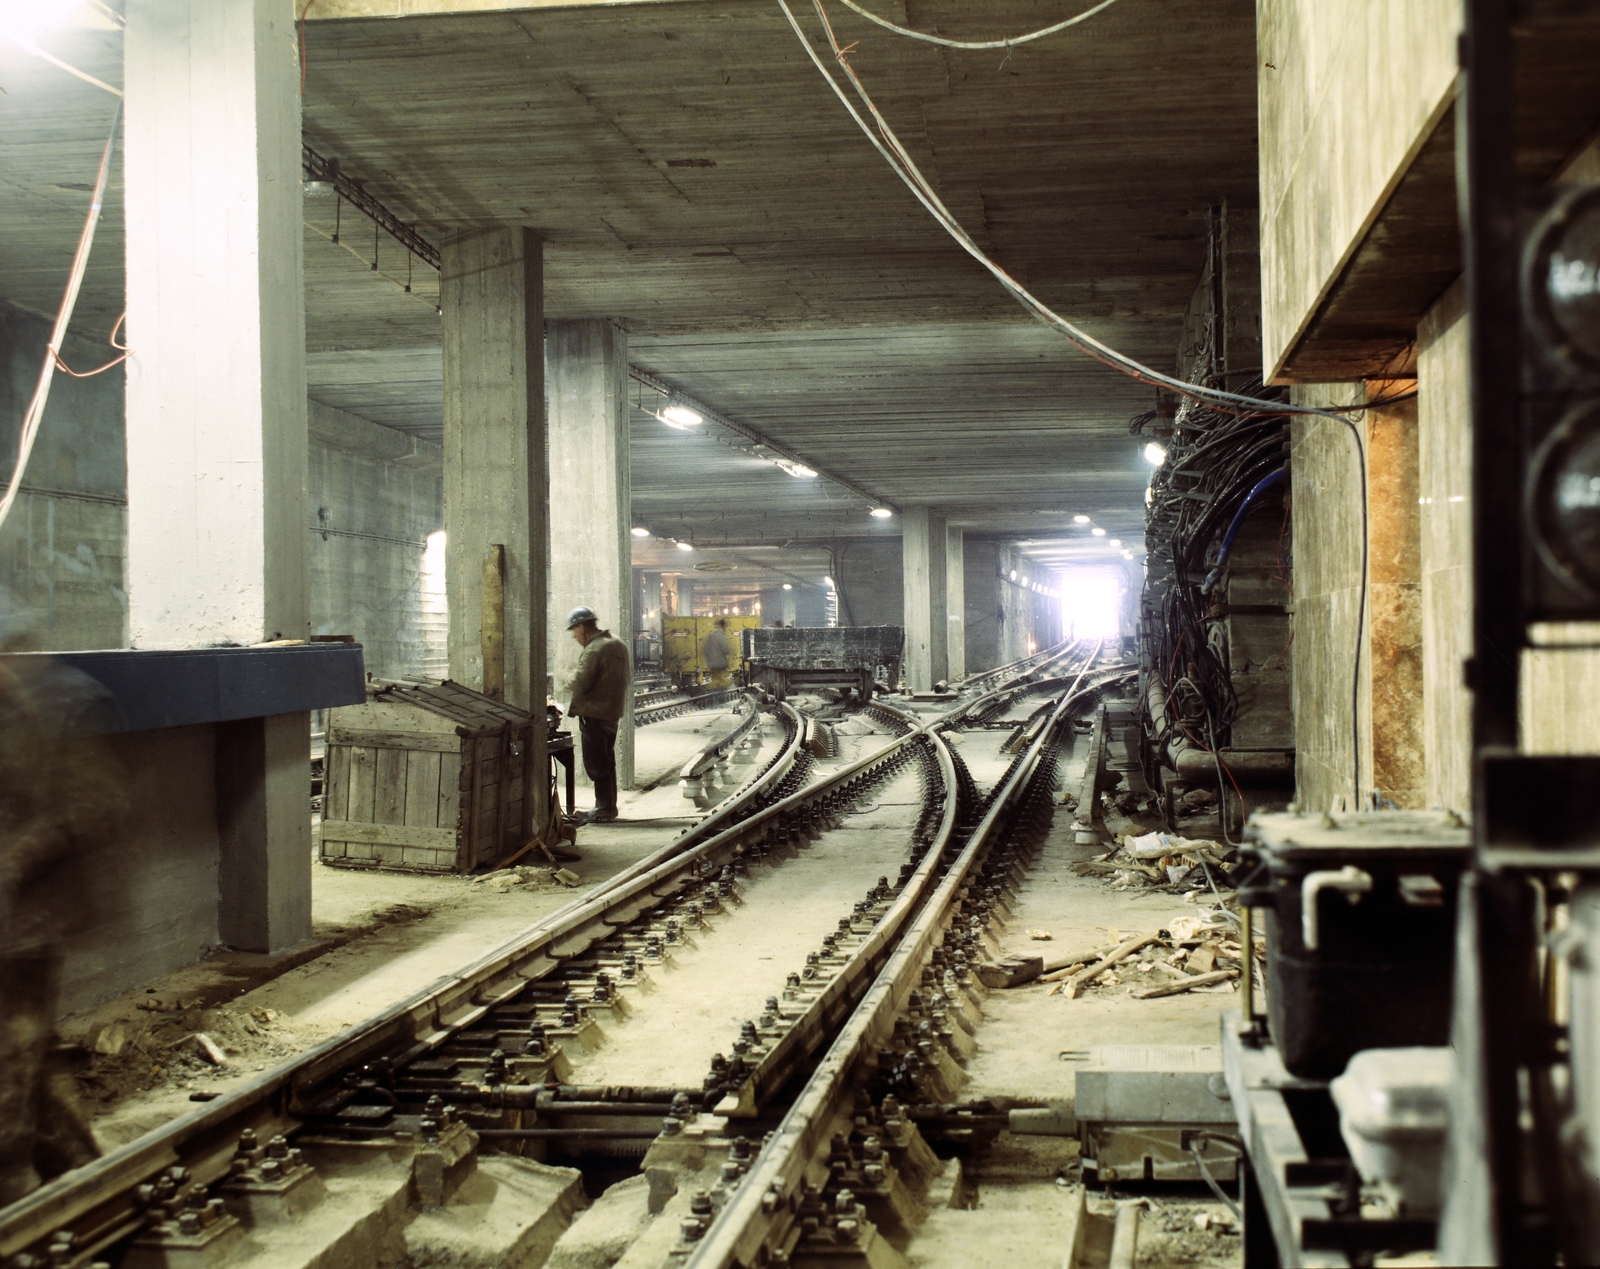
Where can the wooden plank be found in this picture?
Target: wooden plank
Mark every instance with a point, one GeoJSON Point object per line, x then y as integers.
{"type": "Point", "coordinates": [502, 794]}
{"type": "Point", "coordinates": [472, 800]}
{"type": "Point", "coordinates": [423, 857]}
{"type": "Point", "coordinates": [396, 835]}
{"type": "Point", "coordinates": [422, 789]}
{"type": "Point", "coordinates": [428, 742]}
{"type": "Point", "coordinates": [363, 782]}
{"type": "Point", "coordinates": [336, 795]}
{"type": "Point", "coordinates": [449, 790]}
{"type": "Point", "coordinates": [389, 801]}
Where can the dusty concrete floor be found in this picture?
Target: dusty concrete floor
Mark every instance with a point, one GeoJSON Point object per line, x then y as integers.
{"type": "Point", "coordinates": [382, 937]}
{"type": "Point", "coordinates": [379, 938]}
{"type": "Point", "coordinates": [1021, 1197]}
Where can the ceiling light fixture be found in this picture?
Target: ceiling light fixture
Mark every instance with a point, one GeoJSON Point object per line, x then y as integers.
{"type": "Point", "coordinates": [1155, 453]}
{"type": "Point", "coordinates": [1116, 541]}
{"type": "Point", "coordinates": [1013, 574]}
{"type": "Point", "coordinates": [787, 586]}
{"type": "Point", "coordinates": [828, 580]}
{"type": "Point", "coordinates": [795, 469]}
{"type": "Point", "coordinates": [881, 513]}
{"type": "Point", "coordinates": [639, 531]}
{"type": "Point", "coordinates": [1080, 519]}
{"type": "Point", "coordinates": [1098, 531]}
{"type": "Point", "coordinates": [686, 546]}
{"type": "Point", "coordinates": [24, 19]}
{"type": "Point", "coordinates": [680, 417]}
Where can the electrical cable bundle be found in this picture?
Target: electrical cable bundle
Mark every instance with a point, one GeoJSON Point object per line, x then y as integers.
{"type": "Point", "coordinates": [1217, 467]}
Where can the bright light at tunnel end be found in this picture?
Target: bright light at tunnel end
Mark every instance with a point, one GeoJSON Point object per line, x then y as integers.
{"type": "Point", "coordinates": [1091, 602]}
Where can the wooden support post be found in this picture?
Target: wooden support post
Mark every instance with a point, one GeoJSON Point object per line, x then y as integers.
{"type": "Point", "coordinates": [494, 622]}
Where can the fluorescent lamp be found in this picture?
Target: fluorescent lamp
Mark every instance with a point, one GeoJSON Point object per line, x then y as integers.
{"type": "Point", "coordinates": [828, 581]}
{"type": "Point", "coordinates": [1080, 519]}
{"type": "Point", "coordinates": [881, 513]}
{"type": "Point", "coordinates": [787, 586]}
{"type": "Point", "coordinates": [1098, 531]}
{"type": "Point", "coordinates": [680, 416]}
{"type": "Point", "coordinates": [1155, 454]}
{"type": "Point", "coordinates": [24, 19]}
{"type": "Point", "coordinates": [639, 531]}
{"type": "Point", "coordinates": [686, 546]}
{"type": "Point", "coordinates": [795, 469]}
{"type": "Point", "coordinates": [1013, 574]}
{"type": "Point", "coordinates": [1116, 541]}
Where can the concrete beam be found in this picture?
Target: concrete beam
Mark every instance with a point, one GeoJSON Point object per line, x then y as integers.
{"type": "Point", "coordinates": [955, 592]}
{"type": "Point", "coordinates": [491, 288]}
{"type": "Point", "coordinates": [591, 506]}
{"type": "Point", "coordinates": [333, 10]}
{"type": "Point", "coordinates": [216, 406]}
{"type": "Point", "coordinates": [924, 540]}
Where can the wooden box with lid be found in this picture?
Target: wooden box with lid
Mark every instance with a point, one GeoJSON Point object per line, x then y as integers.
{"type": "Point", "coordinates": [426, 777]}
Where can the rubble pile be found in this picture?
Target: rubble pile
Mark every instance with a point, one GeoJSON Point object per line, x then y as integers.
{"type": "Point", "coordinates": [1166, 862]}
{"type": "Point", "coordinates": [1198, 953]}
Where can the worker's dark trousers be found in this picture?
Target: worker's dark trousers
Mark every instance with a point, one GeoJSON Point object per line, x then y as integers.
{"type": "Point", "coordinates": [599, 738]}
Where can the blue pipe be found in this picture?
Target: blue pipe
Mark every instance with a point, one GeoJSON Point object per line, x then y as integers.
{"type": "Point", "coordinates": [1262, 485]}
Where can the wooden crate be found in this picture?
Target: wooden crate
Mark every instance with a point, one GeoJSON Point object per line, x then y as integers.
{"type": "Point", "coordinates": [425, 778]}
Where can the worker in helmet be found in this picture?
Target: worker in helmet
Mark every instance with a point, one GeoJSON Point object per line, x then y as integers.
{"type": "Point", "coordinates": [599, 691]}
{"type": "Point", "coordinates": [716, 655]}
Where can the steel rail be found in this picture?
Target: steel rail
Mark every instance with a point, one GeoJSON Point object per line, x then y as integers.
{"type": "Point", "coordinates": [719, 748]}
{"type": "Point", "coordinates": [687, 705]}
{"type": "Point", "coordinates": [805, 1030]}
{"type": "Point", "coordinates": [98, 1198]}
{"type": "Point", "coordinates": [429, 1016]}
{"type": "Point", "coordinates": [768, 1196]}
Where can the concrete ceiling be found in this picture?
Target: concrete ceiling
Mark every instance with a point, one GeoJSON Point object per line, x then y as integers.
{"type": "Point", "coordinates": [695, 179]}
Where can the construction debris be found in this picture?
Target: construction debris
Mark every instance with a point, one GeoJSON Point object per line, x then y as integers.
{"type": "Point", "coordinates": [1165, 862]}
{"type": "Point", "coordinates": [1201, 952]}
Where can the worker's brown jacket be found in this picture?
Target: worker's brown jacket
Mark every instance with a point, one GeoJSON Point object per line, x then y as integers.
{"type": "Point", "coordinates": [600, 683]}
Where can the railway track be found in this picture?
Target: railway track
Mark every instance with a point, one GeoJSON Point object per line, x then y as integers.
{"type": "Point", "coordinates": [391, 1118]}
{"type": "Point", "coordinates": [655, 707]}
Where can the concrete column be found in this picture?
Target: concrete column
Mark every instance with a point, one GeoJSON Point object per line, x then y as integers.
{"type": "Point", "coordinates": [955, 595]}
{"type": "Point", "coordinates": [923, 546]}
{"type": "Point", "coordinates": [686, 597]}
{"type": "Point", "coordinates": [491, 288]}
{"type": "Point", "coordinates": [591, 493]}
{"type": "Point", "coordinates": [216, 403]}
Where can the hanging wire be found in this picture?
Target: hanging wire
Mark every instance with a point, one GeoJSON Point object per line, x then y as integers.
{"type": "Point", "coordinates": [28, 432]}
{"type": "Point", "coordinates": [1006, 44]}
{"type": "Point", "coordinates": [889, 145]}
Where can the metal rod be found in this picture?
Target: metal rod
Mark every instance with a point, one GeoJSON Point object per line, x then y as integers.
{"type": "Point", "coordinates": [594, 1134]}
{"type": "Point", "coordinates": [1247, 984]}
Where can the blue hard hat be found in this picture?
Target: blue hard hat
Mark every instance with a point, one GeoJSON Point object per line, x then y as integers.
{"type": "Point", "coordinates": [581, 616]}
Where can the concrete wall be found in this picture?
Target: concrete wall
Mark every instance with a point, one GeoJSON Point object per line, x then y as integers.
{"type": "Point", "coordinates": [62, 551]}
{"type": "Point", "coordinates": [983, 605]}
{"type": "Point", "coordinates": [376, 495]}
{"type": "Point", "coordinates": [1349, 90]}
{"type": "Point", "coordinates": [153, 887]}
{"type": "Point", "coordinates": [869, 579]}
{"type": "Point", "coordinates": [1444, 447]}
{"type": "Point", "coordinates": [1327, 527]}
